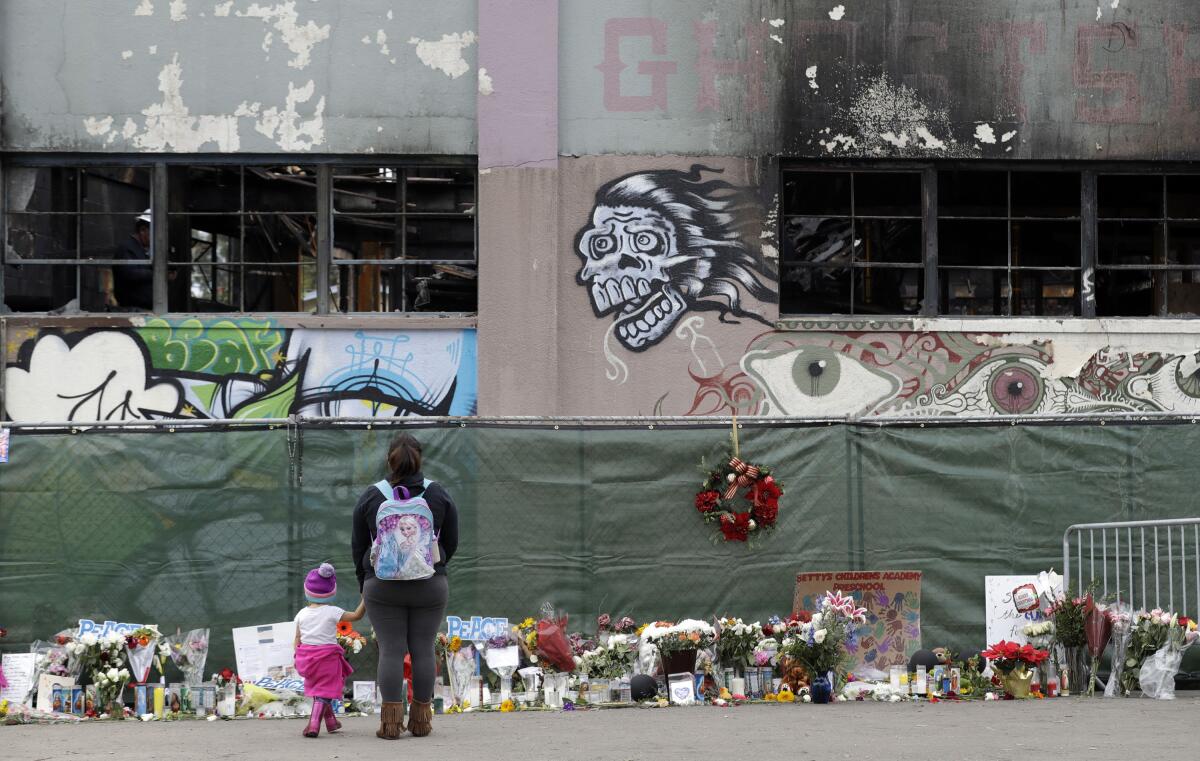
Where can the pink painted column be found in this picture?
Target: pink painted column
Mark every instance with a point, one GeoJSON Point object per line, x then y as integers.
{"type": "Point", "coordinates": [518, 207]}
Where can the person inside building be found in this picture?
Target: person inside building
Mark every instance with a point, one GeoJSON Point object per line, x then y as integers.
{"type": "Point", "coordinates": [132, 286]}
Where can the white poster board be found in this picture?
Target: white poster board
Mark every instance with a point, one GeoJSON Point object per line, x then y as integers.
{"type": "Point", "coordinates": [261, 650]}
{"type": "Point", "coordinates": [18, 672]}
{"type": "Point", "coordinates": [1004, 597]}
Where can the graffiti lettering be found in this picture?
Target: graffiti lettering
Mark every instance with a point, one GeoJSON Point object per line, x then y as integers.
{"type": "Point", "coordinates": [1115, 37]}
{"type": "Point", "coordinates": [615, 30]}
{"type": "Point", "coordinates": [1009, 34]}
{"type": "Point", "coordinates": [752, 68]}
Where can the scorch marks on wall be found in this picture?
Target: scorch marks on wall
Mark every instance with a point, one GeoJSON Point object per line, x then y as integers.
{"type": "Point", "coordinates": [238, 369]}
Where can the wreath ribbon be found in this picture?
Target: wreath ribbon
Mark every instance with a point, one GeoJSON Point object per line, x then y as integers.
{"type": "Point", "coordinates": [746, 475]}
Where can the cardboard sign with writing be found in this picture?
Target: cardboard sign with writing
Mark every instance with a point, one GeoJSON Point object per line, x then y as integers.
{"type": "Point", "coordinates": [893, 602]}
{"type": "Point", "coordinates": [1007, 607]}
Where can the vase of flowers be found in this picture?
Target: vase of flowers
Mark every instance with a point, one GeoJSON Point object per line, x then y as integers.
{"type": "Point", "coordinates": [819, 643]}
{"type": "Point", "coordinates": [678, 643]}
{"type": "Point", "coordinates": [736, 641]}
{"type": "Point", "coordinates": [1015, 664]}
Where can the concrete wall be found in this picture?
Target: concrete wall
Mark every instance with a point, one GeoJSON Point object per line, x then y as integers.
{"type": "Point", "coordinates": [225, 76]}
{"type": "Point", "coordinates": [591, 117]}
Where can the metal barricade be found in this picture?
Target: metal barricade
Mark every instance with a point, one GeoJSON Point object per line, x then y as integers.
{"type": "Point", "coordinates": [1145, 563]}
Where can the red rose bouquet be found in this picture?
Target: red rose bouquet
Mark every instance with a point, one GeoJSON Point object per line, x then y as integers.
{"type": "Point", "coordinates": [741, 498]}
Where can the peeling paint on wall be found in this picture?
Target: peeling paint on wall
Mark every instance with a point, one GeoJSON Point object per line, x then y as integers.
{"type": "Point", "coordinates": [223, 9]}
{"type": "Point", "coordinates": [145, 8]}
{"type": "Point", "coordinates": [838, 12]}
{"type": "Point", "coordinates": [285, 126]}
{"type": "Point", "coordinates": [985, 134]}
{"type": "Point", "coordinates": [892, 119]}
{"type": "Point", "coordinates": [300, 39]}
{"type": "Point", "coordinates": [179, 10]}
{"type": "Point", "coordinates": [446, 54]}
{"type": "Point", "coordinates": [170, 126]}
{"type": "Point", "coordinates": [485, 82]}
{"type": "Point", "coordinates": [97, 127]}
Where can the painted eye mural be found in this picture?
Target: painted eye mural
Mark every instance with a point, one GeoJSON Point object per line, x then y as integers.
{"type": "Point", "coordinates": [662, 243]}
{"type": "Point", "coordinates": [817, 381]}
{"type": "Point", "coordinates": [1014, 389]}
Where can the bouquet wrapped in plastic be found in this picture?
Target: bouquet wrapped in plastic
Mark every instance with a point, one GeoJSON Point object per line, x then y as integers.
{"type": "Point", "coordinates": [460, 662]}
{"type": "Point", "coordinates": [1157, 674]}
{"type": "Point", "coordinates": [503, 656]}
{"type": "Point", "coordinates": [553, 648]}
{"type": "Point", "coordinates": [140, 649]}
{"type": "Point", "coordinates": [189, 651]}
{"type": "Point", "coordinates": [1098, 626]}
{"type": "Point", "coordinates": [1122, 628]}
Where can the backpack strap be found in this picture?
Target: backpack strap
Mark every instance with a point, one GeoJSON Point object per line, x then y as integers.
{"type": "Point", "coordinates": [388, 492]}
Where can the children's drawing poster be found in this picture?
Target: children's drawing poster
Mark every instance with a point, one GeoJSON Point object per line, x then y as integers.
{"type": "Point", "coordinates": [892, 632]}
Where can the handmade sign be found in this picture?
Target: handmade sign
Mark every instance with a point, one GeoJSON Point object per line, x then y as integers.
{"type": "Point", "coordinates": [475, 628]}
{"type": "Point", "coordinates": [1011, 604]}
{"type": "Point", "coordinates": [260, 649]}
{"type": "Point", "coordinates": [18, 671]}
{"type": "Point", "coordinates": [88, 626]}
{"type": "Point", "coordinates": [892, 632]}
{"type": "Point", "coordinates": [292, 683]}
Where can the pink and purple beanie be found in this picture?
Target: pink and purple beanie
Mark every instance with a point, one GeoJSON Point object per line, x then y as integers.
{"type": "Point", "coordinates": [321, 584]}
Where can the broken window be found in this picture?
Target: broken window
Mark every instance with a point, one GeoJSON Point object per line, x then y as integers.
{"type": "Point", "coordinates": [1148, 245]}
{"type": "Point", "coordinates": [243, 238]}
{"type": "Point", "coordinates": [852, 243]}
{"type": "Point", "coordinates": [240, 238]}
{"type": "Point", "coordinates": [404, 240]}
{"type": "Point", "coordinates": [1009, 243]}
{"type": "Point", "coordinates": [73, 238]}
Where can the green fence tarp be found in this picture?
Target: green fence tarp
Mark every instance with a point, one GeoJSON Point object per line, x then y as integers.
{"type": "Point", "coordinates": [216, 527]}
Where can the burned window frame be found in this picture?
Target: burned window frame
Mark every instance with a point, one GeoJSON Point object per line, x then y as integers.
{"type": "Point", "coordinates": [160, 212]}
{"type": "Point", "coordinates": [1089, 220]}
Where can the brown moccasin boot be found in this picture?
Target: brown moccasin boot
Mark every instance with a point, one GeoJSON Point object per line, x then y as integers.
{"type": "Point", "coordinates": [421, 721]}
{"type": "Point", "coordinates": [391, 721]}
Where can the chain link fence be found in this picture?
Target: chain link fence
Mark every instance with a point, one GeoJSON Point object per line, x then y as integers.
{"type": "Point", "coordinates": [216, 525]}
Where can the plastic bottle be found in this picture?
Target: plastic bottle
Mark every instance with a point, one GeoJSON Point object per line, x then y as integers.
{"type": "Point", "coordinates": [626, 692]}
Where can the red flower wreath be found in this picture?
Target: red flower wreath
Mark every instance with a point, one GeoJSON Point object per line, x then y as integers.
{"type": "Point", "coordinates": [722, 494]}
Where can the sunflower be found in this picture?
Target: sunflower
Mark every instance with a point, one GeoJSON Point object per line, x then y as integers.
{"type": "Point", "coordinates": [345, 628]}
{"type": "Point", "coordinates": [455, 644]}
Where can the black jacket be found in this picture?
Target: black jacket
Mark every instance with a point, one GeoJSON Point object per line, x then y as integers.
{"type": "Point", "coordinates": [445, 524]}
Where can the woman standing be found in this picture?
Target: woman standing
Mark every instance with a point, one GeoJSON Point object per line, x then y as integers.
{"type": "Point", "coordinates": [406, 615]}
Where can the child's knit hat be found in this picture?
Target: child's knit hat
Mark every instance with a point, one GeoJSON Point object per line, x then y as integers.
{"type": "Point", "coordinates": [321, 584]}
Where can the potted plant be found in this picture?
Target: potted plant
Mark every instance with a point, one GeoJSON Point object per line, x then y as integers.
{"type": "Point", "coordinates": [677, 643]}
{"type": "Point", "coordinates": [1015, 662]}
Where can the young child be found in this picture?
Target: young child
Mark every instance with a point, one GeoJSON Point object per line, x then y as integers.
{"type": "Point", "coordinates": [319, 657]}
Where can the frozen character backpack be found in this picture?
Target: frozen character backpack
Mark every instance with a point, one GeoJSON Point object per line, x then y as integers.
{"type": "Point", "coordinates": [405, 547]}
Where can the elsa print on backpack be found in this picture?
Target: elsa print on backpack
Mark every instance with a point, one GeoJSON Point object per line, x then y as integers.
{"type": "Point", "coordinates": [405, 547]}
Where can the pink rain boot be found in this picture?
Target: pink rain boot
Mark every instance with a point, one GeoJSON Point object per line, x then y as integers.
{"type": "Point", "coordinates": [319, 707]}
{"type": "Point", "coordinates": [331, 722]}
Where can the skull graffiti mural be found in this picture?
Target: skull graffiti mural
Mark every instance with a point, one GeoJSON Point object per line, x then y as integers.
{"type": "Point", "coordinates": [664, 242]}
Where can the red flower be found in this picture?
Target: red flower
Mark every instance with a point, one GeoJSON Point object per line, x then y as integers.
{"type": "Point", "coordinates": [706, 501]}
{"type": "Point", "coordinates": [766, 514]}
{"type": "Point", "coordinates": [768, 630]}
{"type": "Point", "coordinates": [227, 674]}
{"type": "Point", "coordinates": [803, 617]}
{"type": "Point", "coordinates": [736, 528]}
{"type": "Point", "coordinates": [1183, 621]}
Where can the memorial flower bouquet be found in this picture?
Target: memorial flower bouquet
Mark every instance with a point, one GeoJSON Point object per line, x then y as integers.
{"type": "Point", "coordinates": [689, 634]}
{"type": "Point", "coordinates": [1015, 663]}
{"type": "Point", "coordinates": [611, 661]}
{"type": "Point", "coordinates": [188, 651]}
{"type": "Point", "coordinates": [351, 641]}
{"type": "Point", "coordinates": [1159, 635]}
{"type": "Point", "coordinates": [819, 644]}
{"type": "Point", "coordinates": [736, 641]}
{"type": "Point", "coordinates": [141, 647]}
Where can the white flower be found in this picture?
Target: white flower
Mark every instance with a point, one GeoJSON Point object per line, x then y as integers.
{"type": "Point", "coordinates": [88, 639]}
{"type": "Point", "coordinates": [731, 478]}
{"type": "Point", "coordinates": [787, 642]}
{"type": "Point", "coordinates": [819, 635]}
{"type": "Point", "coordinates": [751, 525]}
{"type": "Point", "coordinates": [123, 673]}
{"type": "Point", "coordinates": [112, 675]}
{"type": "Point", "coordinates": [112, 639]}
{"type": "Point", "coordinates": [816, 619]}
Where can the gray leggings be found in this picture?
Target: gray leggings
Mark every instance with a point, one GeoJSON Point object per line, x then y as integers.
{"type": "Point", "coordinates": [406, 616]}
